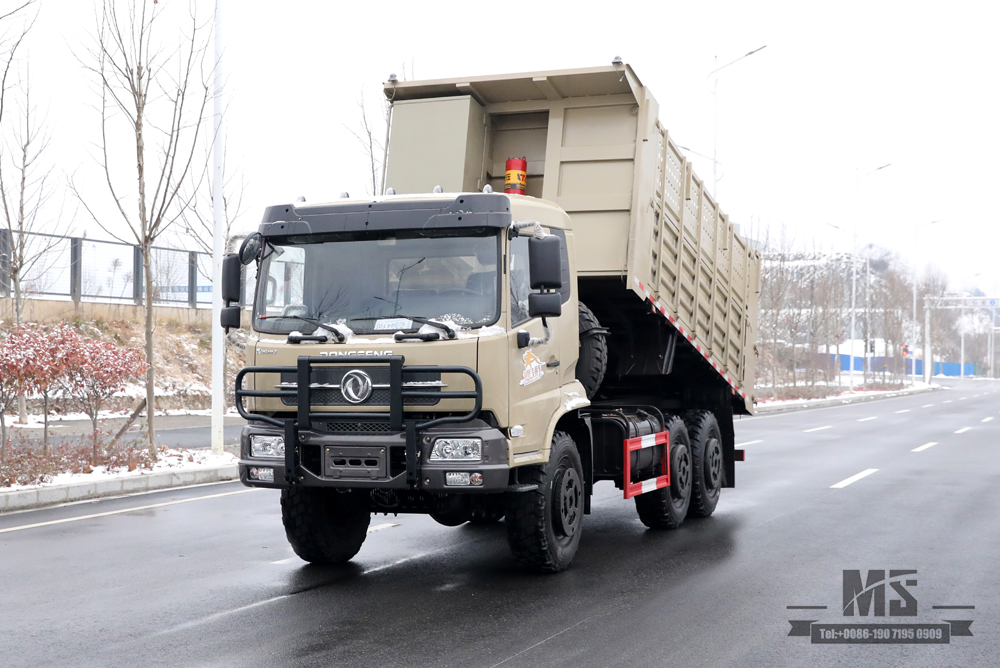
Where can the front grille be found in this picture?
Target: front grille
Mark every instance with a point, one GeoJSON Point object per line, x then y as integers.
{"type": "Point", "coordinates": [362, 427]}
{"type": "Point", "coordinates": [397, 460]}
{"type": "Point", "coordinates": [380, 396]}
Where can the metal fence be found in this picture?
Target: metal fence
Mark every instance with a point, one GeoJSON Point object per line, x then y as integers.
{"type": "Point", "coordinates": [82, 269]}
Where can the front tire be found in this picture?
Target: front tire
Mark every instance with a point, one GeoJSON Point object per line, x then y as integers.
{"type": "Point", "coordinates": [666, 508]}
{"type": "Point", "coordinates": [544, 525]}
{"type": "Point", "coordinates": [324, 526]}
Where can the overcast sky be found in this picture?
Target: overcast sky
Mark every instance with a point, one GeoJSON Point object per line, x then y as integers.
{"type": "Point", "coordinates": [840, 90]}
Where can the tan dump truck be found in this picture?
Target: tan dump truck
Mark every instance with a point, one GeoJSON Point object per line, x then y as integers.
{"type": "Point", "coordinates": [450, 350]}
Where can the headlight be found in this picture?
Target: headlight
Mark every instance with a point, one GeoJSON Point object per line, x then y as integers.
{"type": "Point", "coordinates": [457, 450]}
{"type": "Point", "coordinates": [267, 446]}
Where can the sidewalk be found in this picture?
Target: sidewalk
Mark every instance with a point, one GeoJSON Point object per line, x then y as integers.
{"type": "Point", "coordinates": [52, 495]}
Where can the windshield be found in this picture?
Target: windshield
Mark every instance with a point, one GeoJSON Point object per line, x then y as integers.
{"type": "Point", "coordinates": [373, 283]}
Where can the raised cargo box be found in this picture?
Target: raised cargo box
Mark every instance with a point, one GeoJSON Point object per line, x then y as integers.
{"type": "Point", "coordinates": [595, 147]}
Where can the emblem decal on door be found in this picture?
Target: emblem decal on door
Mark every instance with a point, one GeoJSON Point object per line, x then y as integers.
{"type": "Point", "coordinates": [533, 368]}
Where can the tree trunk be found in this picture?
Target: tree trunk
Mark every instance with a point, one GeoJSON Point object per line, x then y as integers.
{"type": "Point", "coordinates": [45, 428]}
{"type": "Point", "coordinates": [128, 423]}
{"type": "Point", "coordinates": [3, 440]}
{"type": "Point", "coordinates": [22, 402]}
{"type": "Point", "coordinates": [150, 375]}
{"type": "Point", "coordinates": [93, 422]}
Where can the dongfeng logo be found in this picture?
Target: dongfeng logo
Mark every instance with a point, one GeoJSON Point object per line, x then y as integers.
{"type": "Point", "coordinates": [356, 386]}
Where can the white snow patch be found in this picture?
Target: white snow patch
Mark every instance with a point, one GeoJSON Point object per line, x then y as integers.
{"type": "Point", "coordinates": [574, 400]}
{"type": "Point", "coordinates": [168, 460]}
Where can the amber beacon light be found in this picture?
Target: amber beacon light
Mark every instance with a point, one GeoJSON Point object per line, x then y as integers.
{"type": "Point", "coordinates": [516, 177]}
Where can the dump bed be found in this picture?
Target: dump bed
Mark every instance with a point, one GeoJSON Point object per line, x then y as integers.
{"type": "Point", "coordinates": [594, 146]}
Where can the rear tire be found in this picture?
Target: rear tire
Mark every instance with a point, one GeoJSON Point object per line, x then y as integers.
{"type": "Point", "coordinates": [666, 508]}
{"type": "Point", "coordinates": [593, 362]}
{"type": "Point", "coordinates": [544, 525]}
{"type": "Point", "coordinates": [706, 456]}
{"type": "Point", "coordinates": [325, 526]}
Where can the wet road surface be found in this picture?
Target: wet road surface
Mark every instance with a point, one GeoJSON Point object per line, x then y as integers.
{"type": "Point", "coordinates": [204, 577]}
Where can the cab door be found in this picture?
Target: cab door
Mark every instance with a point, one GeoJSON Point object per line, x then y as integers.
{"type": "Point", "coordinates": [534, 383]}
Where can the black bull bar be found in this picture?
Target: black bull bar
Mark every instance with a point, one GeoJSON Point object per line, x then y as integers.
{"type": "Point", "coordinates": [397, 393]}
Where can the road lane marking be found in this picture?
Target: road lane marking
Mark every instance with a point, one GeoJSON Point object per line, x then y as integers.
{"type": "Point", "coordinates": [220, 615]}
{"type": "Point", "coordinates": [528, 649]}
{"type": "Point", "coordinates": [963, 398]}
{"type": "Point", "coordinates": [379, 527]}
{"type": "Point", "coordinates": [927, 405]}
{"type": "Point", "coordinates": [817, 429]}
{"type": "Point", "coordinates": [946, 402]}
{"type": "Point", "coordinates": [125, 510]}
{"type": "Point", "coordinates": [986, 419]}
{"type": "Point", "coordinates": [398, 562]}
{"type": "Point", "coordinates": [854, 478]}
{"type": "Point", "coordinates": [924, 446]}
{"type": "Point", "coordinates": [740, 445]}
{"type": "Point", "coordinates": [963, 430]}
{"type": "Point", "coordinates": [874, 417]}
{"type": "Point", "coordinates": [905, 410]}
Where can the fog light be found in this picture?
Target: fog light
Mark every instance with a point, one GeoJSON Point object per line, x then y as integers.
{"type": "Point", "coordinates": [456, 478]}
{"type": "Point", "coordinates": [263, 475]}
{"type": "Point", "coordinates": [457, 450]}
{"type": "Point", "coordinates": [267, 446]}
{"type": "Point", "coordinates": [476, 479]}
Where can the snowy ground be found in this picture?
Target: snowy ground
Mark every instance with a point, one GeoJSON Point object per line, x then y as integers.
{"type": "Point", "coordinates": [174, 461]}
{"type": "Point", "coordinates": [847, 394]}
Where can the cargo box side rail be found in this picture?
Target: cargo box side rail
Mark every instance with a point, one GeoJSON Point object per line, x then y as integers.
{"type": "Point", "coordinates": [395, 416]}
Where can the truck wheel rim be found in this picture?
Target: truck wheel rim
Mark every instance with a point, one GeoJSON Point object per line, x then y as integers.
{"type": "Point", "coordinates": [568, 502]}
{"type": "Point", "coordinates": [713, 459]}
{"type": "Point", "coordinates": [681, 473]}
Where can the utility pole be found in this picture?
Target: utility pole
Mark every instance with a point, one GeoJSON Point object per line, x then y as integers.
{"type": "Point", "coordinates": [218, 249]}
{"type": "Point", "coordinates": [961, 357]}
{"type": "Point", "coordinates": [928, 356]}
{"type": "Point", "coordinates": [854, 262]}
{"type": "Point", "coordinates": [715, 117]}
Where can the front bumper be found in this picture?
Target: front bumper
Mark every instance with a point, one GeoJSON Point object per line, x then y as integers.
{"type": "Point", "coordinates": [316, 453]}
{"type": "Point", "coordinates": [397, 457]}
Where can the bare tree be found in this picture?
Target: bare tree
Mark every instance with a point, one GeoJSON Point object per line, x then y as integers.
{"type": "Point", "coordinates": [25, 191]}
{"type": "Point", "coordinates": [367, 134]}
{"type": "Point", "coordinates": [161, 98]}
{"type": "Point", "coordinates": [197, 217]}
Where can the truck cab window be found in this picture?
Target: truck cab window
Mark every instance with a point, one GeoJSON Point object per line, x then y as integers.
{"type": "Point", "coordinates": [520, 286]}
{"type": "Point", "coordinates": [372, 283]}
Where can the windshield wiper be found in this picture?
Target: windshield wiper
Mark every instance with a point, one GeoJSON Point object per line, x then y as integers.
{"type": "Point", "coordinates": [337, 334]}
{"type": "Point", "coordinates": [452, 332]}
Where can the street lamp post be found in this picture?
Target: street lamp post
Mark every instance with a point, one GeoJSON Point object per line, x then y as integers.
{"type": "Point", "coordinates": [916, 327]}
{"type": "Point", "coordinates": [715, 120]}
{"type": "Point", "coordinates": [854, 264]}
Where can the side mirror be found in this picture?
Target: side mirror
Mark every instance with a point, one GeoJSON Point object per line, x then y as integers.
{"type": "Point", "coordinates": [544, 305]}
{"type": "Point", "coordinates": [545, 263]}
{"type": "Point", "coordinates": [231, 283]}
{"type": "Point", "coordinates": [250, 248]}
{"type": "Point", "coordinates": [230, 318]}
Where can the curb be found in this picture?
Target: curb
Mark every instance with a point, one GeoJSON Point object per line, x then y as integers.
{"type": "Point", "coordinates": [840, 401]}
{"type": "Point", "coordinates": [39, 497]}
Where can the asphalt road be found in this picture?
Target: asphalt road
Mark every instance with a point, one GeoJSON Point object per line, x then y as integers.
{"type": "Point", "coordinates": [204, 577]}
